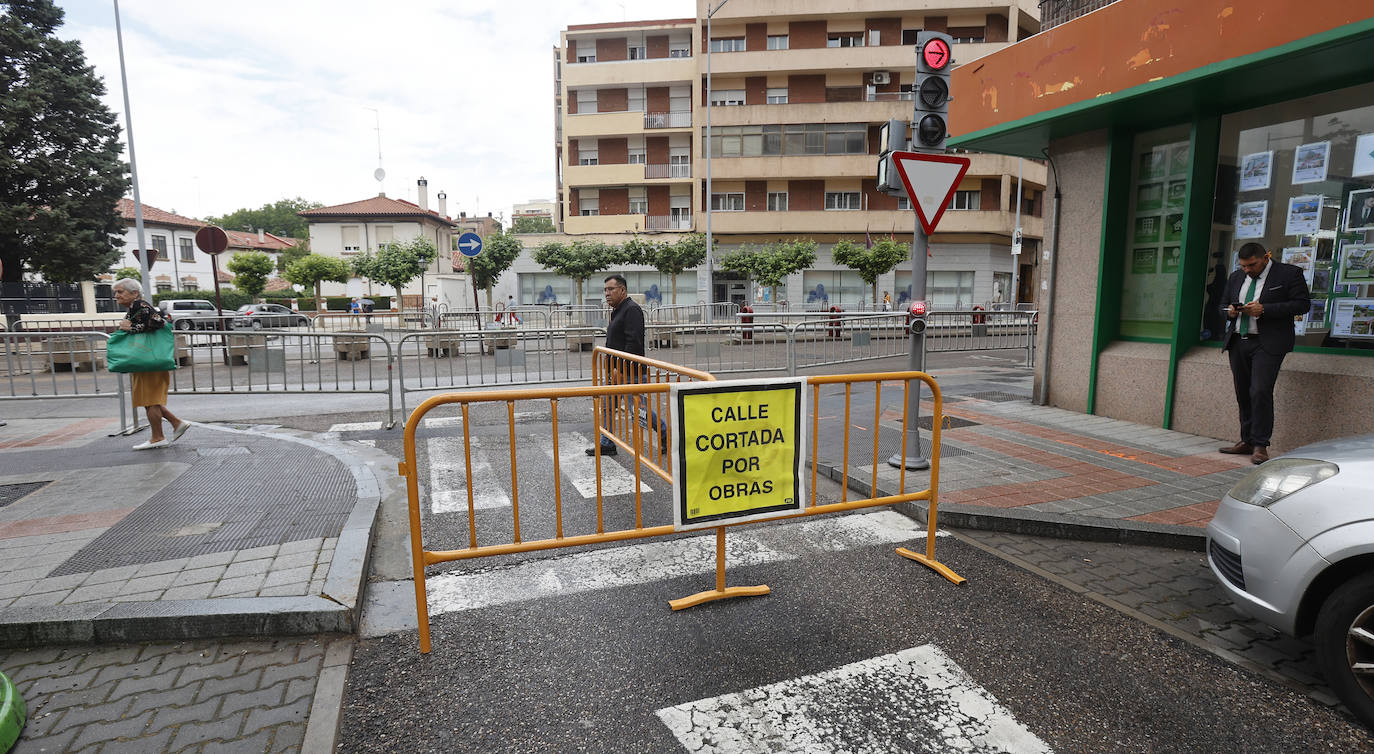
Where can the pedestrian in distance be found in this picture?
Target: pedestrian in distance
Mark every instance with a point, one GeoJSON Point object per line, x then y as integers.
{"type": "Point", "coordinates": [887, 301]}
{"type": "Point", "coordinates": [1261, 300]}
{"type": "Point", "coordinates": [355, 307]}
{"type": "Point", "coordinates": [510, 307]}
{"type": "Point", "coordinates": [624, 332]}
{"type": "Point", "coordinates": [149, 388]}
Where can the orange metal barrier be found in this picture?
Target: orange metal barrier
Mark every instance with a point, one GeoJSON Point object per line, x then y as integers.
{"type": "Point", "coordinates": [622, 420]}
{"type": "Point", "coordinates": [629, 400]}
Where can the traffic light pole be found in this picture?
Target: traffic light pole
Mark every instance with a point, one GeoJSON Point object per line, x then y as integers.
{"type": "Point", "coordinates": [915, 458]}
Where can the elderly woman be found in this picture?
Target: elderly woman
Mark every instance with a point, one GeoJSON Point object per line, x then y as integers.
{"type": "Point", "coordinates": [149, 388]}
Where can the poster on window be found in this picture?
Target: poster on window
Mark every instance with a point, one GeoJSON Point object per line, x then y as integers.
{"type": "Point", "coordinates": [1321, 278]}
{"type": "Point", "coordinates": [1153, 164]}
{"type": "Point", "coordinates": [1302, 257]}
{"type": "Point", "coordinates": [1173, 227]}
{"type": "Point", "coordinates": [1171, 258]}
{"type": "Point", "coordinates": [1352, 317]}
{"type": "Point", "coordinates": [1255, 170]}
{"type": "Point", "coordinates": [1304, 215]}
{"type": "Point", "coordinates": [1250, 218]}
{"type": "Point", "coordinates": [1178, 159]}
{"type": "Point", "coordinates": [1144, 261]}
{"type": "Point", "coordinates": [1149, 197]}
{"type": "Point", "coordinates": [1146, 229]}
{"type": "Point", "coordinates": [1316, 315]}
{"type": "Point", "coordinates": [1356, 263]}
{"type": "Point", "coordinates": [1364, 155]}
{"type": "Point", "coordinates": [1309, 162]}
{"type": "Point", "coordinates": [1178, 194]}
{"type": "Point", "coordinates": [1360, 215]}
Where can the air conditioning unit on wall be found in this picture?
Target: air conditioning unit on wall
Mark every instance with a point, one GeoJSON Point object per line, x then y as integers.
{"type": "Point", "coordinates": [881, 77]}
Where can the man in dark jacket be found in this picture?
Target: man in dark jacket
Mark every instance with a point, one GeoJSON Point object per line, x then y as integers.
{"type": "Point", "coordinates": [625, 332]}
{"type": "Point", "coordinates": [1262, 298]}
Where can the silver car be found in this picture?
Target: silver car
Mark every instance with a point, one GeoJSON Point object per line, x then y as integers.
{"type": "Point", "coordinates": [1293, 544]}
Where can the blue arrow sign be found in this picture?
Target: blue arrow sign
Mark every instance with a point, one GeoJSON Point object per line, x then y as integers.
{"type": "Point", "coordinates": [470, 244]}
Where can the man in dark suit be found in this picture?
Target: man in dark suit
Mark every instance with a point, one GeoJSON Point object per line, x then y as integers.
{"type": "Point", "coordinates": [1262, 298]}
{"type": "Point", "coordinates": [624, 332]}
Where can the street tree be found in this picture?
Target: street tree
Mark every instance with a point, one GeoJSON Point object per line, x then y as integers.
{"type": "Point", "coordinates": [499, 252]}
{"type": "Point", "coordinates": [280, 218]}
{"type": "Point", "coordinates": [292, 253]}
{"type": "Point", "coordinates": [131, 273]}
{"type": "Point", "coordinates": [533, 225]}
{"type": "Point", "coordinates": [673, 259]}
{"type": "Point", "coordinates": [396, 264]}
{"type": "Point", "coordinates": [312, 269]}
{"type": "Point", "coordinates": [871, 263]}
{"type": "Point", "coordinates": [771, 264]}
{"type": "Point", "coordinates": [578, 260]}
{"type": "Point", "coordinates": [251, 270]}
{"type": "Point", "coordinates": [61, 175]}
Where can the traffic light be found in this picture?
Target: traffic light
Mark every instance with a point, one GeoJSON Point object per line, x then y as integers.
{"type": "Point", "coordinates": [930, 120]}
{"type": "Point", "coordinates": [891, 138]}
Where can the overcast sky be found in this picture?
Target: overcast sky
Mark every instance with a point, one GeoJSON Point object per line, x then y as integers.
{"type": "Point", "coordinates": [239, 104]}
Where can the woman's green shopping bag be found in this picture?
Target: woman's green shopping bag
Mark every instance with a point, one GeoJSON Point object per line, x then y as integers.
{"type": "Point", "coordinates": [141, 352]}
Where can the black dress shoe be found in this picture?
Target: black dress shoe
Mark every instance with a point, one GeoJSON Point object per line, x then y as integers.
{"type": "Point", "coordinates": [1241, 448]}
{"type": "Point", "coordinates": [604, 451]}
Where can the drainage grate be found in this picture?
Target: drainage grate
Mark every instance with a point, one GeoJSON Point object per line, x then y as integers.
{"type": "Point", "coordinates": [12, 492]}
{"type": "Point", "coordinates": [997, 396]}
{"type": "Point", "coordinates": [949, 422]}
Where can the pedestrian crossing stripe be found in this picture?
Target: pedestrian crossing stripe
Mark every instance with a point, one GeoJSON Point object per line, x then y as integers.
{"type": "Point", "coordinates": [917, 699]}
{"type": "Point", "coordinates": [433, 422]}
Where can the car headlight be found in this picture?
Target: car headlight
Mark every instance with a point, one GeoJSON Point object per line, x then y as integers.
{"type": "Point", "coordinates": [1280, 478]}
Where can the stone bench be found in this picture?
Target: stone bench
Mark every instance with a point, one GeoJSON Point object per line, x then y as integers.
{"type": "Point", "coordinates": [238, 347]}
{"type": "Point", "coordinates": [74, 354]}
{"type": "Point", "coordinates": [447, 344]}
{"type": "Point", "coordinates": [352, 347]}
{"type": "Point", "coordinates": [581, 342]}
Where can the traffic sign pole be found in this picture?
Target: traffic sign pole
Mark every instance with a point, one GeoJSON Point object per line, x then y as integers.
{"type": "Point", "coordinates": [914, 458]}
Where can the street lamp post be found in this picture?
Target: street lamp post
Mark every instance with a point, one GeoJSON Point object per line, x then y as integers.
{"type": "Point", "coordinates": [133, 165]}
{"type": "Point", "coordinates": [710, 239]}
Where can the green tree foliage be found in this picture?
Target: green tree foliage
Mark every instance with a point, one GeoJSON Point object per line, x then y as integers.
{"type": "Point", "coordinates": [132, 273]}
{"type": "Point", "coordinates": [532, 225]}
{"type": "Point", "coordinates": [871, 263]}
{"type": "Point", "coordinates": [60, 171]}
{"type": "Point", "coordinates": [770, 265]}
{"type": "Point", "coordinates": [312, 269]}
{"type": "Point", "coordinates": [396, 264]}
{"type": "Point", "coordinates": [292, 253]}
{"type": "Point", "coordinates": [499, 252]}
{"type": "Point", "coordinates": [279, 218]}
{"type": "Point", "coordinates": [578, 260]}
{"type": "Point", "coordinates": [671, 259]}
{"type": "Point", "coordinates": [251, 270]}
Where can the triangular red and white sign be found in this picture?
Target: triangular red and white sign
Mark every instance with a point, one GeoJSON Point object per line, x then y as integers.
{"type": "Point", "coordinates": [930, 181]}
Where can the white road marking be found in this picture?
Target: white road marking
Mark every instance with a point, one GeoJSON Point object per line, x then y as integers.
{"type": "Point", "coordinates": [433, 422]}
{"type": "Point", "coordinates": [448, 477]}
{"type": "Point", "coordinates": [580, 468]}
{"type": "Point", "coordinates": [917, 699]}
{"type": "Point", "coordinates": [355, 426]}
{"type": "Point", "coordinates": [659, 560]}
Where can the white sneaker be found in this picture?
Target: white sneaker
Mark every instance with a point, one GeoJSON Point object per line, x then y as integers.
{"type": "Point", "coordinates": [150, 444]}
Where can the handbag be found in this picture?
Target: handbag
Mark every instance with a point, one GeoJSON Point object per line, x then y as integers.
{"type": "Point", "coordinates": [151, 351]}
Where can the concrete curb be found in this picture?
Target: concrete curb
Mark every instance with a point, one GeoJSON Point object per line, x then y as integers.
{"type": "Point", "coordinates": [337, 610]}
{"type": "Point", "coordinates": [1041, 524]}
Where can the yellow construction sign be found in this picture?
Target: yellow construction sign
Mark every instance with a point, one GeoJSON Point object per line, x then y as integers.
{"type": "Point", "coordinates": [737, 450]}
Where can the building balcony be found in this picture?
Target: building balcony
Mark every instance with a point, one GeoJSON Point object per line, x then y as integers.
{"type": "Point", "coordinates": [774, 10]}
{"type": "Point", "coordinates": [810, 166]}
{"type": "Point", "coordinates": [667, 222]}
{"type": "Point", "coordinates": [877, 222]}
{"type": "Point", "coordinates": [668, 120]}
{"type": "Point", "coordinates": [603, 124]}
{"type": "Point", "coordinates": [603, 175]}
{"type": "Point", "coordinates": [667, 171]}
{"type": "Point", "coordinates": [991, 165]}
{"type": "Point", "coordinates": [626, 72]}
{"type": "Point", "coordinates": [821, 59]}
{"type": "Point", "coordinates": [812, 112]}
{"type": "Point", "coordinates": [582, 225]}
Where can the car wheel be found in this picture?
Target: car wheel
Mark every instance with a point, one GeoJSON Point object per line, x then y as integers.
{"type": "Point", "coordinates": [302, 322]}
{"type": "Point", "coordinates": [257, 324]}
{"type": "Point", "coordinates": [183, 324]}
{"type": "Point", "coordinates": [1344, 637]}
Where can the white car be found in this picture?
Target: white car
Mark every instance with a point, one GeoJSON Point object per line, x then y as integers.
{"type": "Point", "coordinates": [1293, 544]}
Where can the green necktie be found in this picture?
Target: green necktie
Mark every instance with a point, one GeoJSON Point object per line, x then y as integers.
{"type": "Point", "coordinates": [1245, 318]}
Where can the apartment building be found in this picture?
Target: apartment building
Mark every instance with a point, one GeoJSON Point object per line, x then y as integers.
{"type": "Point", "coordinates": [798, 91]}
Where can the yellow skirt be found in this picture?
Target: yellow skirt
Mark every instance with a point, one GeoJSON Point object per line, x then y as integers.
{"type": "Point", "coordinates": [150, 388]}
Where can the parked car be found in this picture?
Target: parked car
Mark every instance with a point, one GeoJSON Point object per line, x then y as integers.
{"type": "Point", "coordinates": [258, 316]}
{"type": "Point", "coordinates": [192, 313]}
{"type": "Point", "coordinates": [1293, 544]}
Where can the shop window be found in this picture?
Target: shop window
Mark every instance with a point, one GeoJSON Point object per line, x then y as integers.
{"type": "Point", "coordinates": [1298, 178]}
{"type": "Point", "coordinates": [1154, 232]}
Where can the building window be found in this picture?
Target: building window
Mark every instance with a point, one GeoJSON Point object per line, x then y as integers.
{"type": "Point", "coordinates": [843, 200]}
{"type": "Point", "coordinates": [189, 284]}
{"type": "Point", "coordinates": [635, 100]}
{"type": "Point", "coordinates": [874, 37]}
{"type": "Point", "coordinates": [834, 288]}
{"type": "Point", "coordinates": [903, 203]}
{"type": "Point", "coordinates": [639, 203]}
{"type": "Point", "coordinates": [909, 36]}
{"type": "Point", "coordinates": [188, 252]}
{"type": "Point", "coordinates": [727, 44]}
{"type": "Point", "coordinates": [777, 42]}
{"type": "Point", "coordinates": [679, 165]}
{"type": "Point", "coordinates": [160, 244]}
{"type": "Point", "coordinates": [588, 156]}
{"type": "Point", "coordinates": [845, 39]}
{"type": "Point", "coordinates": [637, 156]}
{"type": "Point", "coordinates": [777, 201]}
{"type": "Point", "coordinates": [965, 200]}
{"type": "Point", "coordinates": [162, 286]}
{"type": "Point", "coordinates": [777, 95]}
{"type": "Point", "coordinates": [727, 97]}
{"type": "Point", "coordinates": [586, 101]}
{"type": "Point", "coordinates": [791, 139]}
{"type": "Point", "coordinates": [586, 58]}
{"type": "Point", "coordinates": [679, 50]}
{"type": "Point", "coordinates": [589, 207]}
{"type": "Point", "coordinates": [732, 202]}
{"type": "Point", "coordinates": [638, 52]}
{"type": "Point", "coordinates": [970, 39]}
{"type": "Point", "coordinates": [352, 236]}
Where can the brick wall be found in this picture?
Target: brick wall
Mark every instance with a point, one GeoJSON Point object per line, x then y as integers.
{"type": "Point", "coordinates": [805, 195]}
{"type": "Point", "coordinates": [805, 34]}
{"type": "Point", "coordinates": [572, 151]}
{"type": "Point", "coordinates": [614, 201]}
{"type": "Point", "coordinates": [613, 151]}
{"type": "Point", "coordinates": [611, 49]}
{"type": "Point", "coordinates": [656, 99]}
{"type": "Point", "coordinates": [937, 23]}
{"type": "Point", "coordinates": [756, 90]}
{"type": "Point", "coordinates": [572, 103]}
{"type": "Point", "coordinates": [656, 47]}
{"type": "Point", "coordinates": [755, 37]}
{"type": "Point", "coordinates": [877, 200]}
{"type": "Point", "coordinates": [804, 88]}
{"type": "Point", "coordinates": [990, 198]}
{"type": "Point", "coordinates": [656, 150]}
{"type": "Point", "coordinates": [997, 28]}
{"type": "Point", "coordinates": [612, 100]}
{"type": "Point", "coordinates": [658, 197]}
{"type": "Point", "coordinates": [889, 30]}
{"type": "Point", "coordinates": [755, 196]}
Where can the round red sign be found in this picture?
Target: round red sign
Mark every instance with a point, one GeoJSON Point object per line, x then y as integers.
{"type": "Point", "coordinates": [936, 54]}
{"type": "Point", "coordinates": [212, 239]}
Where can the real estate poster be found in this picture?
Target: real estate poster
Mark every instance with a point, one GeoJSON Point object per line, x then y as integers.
{"type": "Point", "coordinates": [1321, 278]}
{"type": "Point", "coordinates": [1356, 263]}
{"type": "Point", "coordinates": [1173, 227]}
{"type": "Point", "coordinates": [1153, 164]}
{"type": "Point", "coordinates": [1146, 229]}
{"type": "Point", "coordinates": [1250, 218]}
{"type": "Point", "coordinates": [1178, 194]}
{"type": "Point", "coordinates": [1352, 317]}
{"type": "Point", "coordinates": [1144, 261]}
{"type": "Point", "coordinates": [1255, 170]}
{"type": "Point", "coordinates": [1304, 215]}
{"type": "Point", "coordinates": [1360, 214]}
{"type": "Point", "coordinates": [1364, 155]}
{"type": "Point", "coordinates": [1302, 257]}
{"type": "Point", "coordinates": [1149, 197]}
{"type": "Point", "coordinates": [1171, 258]}
{"type": "Point", "coordinates": [1309, 162]}
{"type": "Point", "coordinates": [1178, 159]}
{"type": "Point", "coordinates": [1316, 315]}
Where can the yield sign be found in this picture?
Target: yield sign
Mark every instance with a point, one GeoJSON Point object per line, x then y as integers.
{"type": "Point", "coordinates": [930, 180]}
